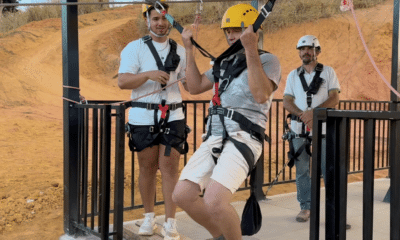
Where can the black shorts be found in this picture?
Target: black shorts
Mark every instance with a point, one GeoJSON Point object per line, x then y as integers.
{"type": "Point", "coordinates": [174, 135]}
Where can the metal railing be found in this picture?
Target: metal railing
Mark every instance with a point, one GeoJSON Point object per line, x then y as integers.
{"type": "Point", "coordinates": [338, 144]}
{"type": "Point", "coordinates": [107, 173]}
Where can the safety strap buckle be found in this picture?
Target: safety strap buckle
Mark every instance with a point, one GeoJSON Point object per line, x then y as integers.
{"type": "Point", "coordinates": [229, 114]}
{"type": "Point", "coordinates": [148, 106]}
{"type": "Point", "coordinates": [166, 130]}
{"type": "Point", "coordinates": [173, 107]}
{"type": "Point", "coordinates": [151, 129]}
{"type": "Point", "coordinates": [146, 38]}
{"type": "Point", "coordinates": [164, 110]}
{"type": "Point", "coordinates": [264, 12]}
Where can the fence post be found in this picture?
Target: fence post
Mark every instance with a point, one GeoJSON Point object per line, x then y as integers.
{"type": "Point", "coordinates": [343, 147]}
{"type": "Point", "coordinates": [105, 173]}
{"type": "Point", "coordinates": [70, 117]}
{"type": "Point", "coordinates": [395, 180]}
{"type": "Point", "coordinates": [368, 179]}
{"type": "Point", "coordinates": [319, 117]}
{"type": "Point", "coordinates": [119, 172]}
{"type": "Point", "coordinates": [332, 179]}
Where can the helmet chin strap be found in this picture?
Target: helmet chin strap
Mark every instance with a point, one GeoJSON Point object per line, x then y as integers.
{"type": "Point", "coordinates": [315, 54]}
{"type": "Point", "coordinates": [151, 31]}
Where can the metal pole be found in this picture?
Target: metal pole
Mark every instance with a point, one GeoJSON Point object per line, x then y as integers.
{"type": "Point", "coordinates": [395, 68]}
{"type": "Point", "coordinates": [70, 117]}
{"type": "Point", "coordinates": [395, 182]}
{"type": "Point", "coordinates": [395, 54]}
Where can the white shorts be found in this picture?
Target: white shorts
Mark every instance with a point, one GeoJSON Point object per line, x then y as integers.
{"type": "Point", "coordinates": [232, 168]}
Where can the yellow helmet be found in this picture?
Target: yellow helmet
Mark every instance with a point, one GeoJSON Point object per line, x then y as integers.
{"type": "Point", "coordinates": [237, 14]}
{"type": "Point", "coordinates": [147, 7]}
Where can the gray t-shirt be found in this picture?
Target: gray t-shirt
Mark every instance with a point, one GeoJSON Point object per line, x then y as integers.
{"type": "Point", "coordinates": [239, 98]}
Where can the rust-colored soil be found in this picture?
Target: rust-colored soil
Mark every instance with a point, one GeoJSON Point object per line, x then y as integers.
{"type": "Point", "coordinates": [31, 148]}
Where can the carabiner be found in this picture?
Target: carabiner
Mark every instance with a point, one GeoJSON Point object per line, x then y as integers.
{"type": "Point", "coordinates": [163, 12]}
{"type": "Point", "coordinates": [200, 7]}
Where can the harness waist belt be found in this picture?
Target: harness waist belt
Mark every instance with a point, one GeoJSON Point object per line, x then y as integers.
{"type": "Point", "coordinates": [152, 106]}
{"type": "Point", "coordinates": [243, 122]}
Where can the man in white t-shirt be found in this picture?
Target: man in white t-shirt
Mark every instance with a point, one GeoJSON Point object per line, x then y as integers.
{"type": "Point", "coordinates": [310, 86]}
{"type": "Point", "coordinates": [156, 128]}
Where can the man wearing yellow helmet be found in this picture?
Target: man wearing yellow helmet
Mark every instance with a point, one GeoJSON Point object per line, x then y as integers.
{"type": "Point", "coordinates": [244, 84]}
{"type": "Point", "coordinates": [156, 127]}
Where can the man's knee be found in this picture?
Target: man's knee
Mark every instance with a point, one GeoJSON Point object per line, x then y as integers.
{"type": "Point", "coordinates": [217, 198]}
{"type": "Point", "coordinates": [185, 192]}
{"type": "Point", "coordinates": [215, 207]}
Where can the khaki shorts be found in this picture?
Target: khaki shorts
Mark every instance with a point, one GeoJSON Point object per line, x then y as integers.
{"type": "Point", "coordinates": [232, 168]}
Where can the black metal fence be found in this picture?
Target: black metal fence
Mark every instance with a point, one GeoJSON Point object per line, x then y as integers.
{"type": "Point", "coordinates": [107, 173]}
{"type": "Point", "coordinates": [338, 149]}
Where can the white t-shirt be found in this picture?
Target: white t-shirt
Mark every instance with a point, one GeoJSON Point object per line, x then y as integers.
{"type": "Point", "coordinates": [294, 88]}
{"type": "Point", "coordinates": [137, 58]}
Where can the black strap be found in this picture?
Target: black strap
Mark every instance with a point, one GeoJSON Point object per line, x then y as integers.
{"type": "Point", "coordinates": [245, 124]}
{"type": "Point", "coordinates": [152, 106]}
{"type": "Point", "coordinates": [160, 125]}
{"type": "Point", "coordinates": [293, 155]}
{"type": "Point", "coordinates": [241, 147]}
{"type": "Point", "coordinates": [265, 11]}
{"type": "Point", "coordinates": [172, 60]}
{"type": "Point", "coordinates": [314, 85]}
{"type": "Point", "coordinates": [246, 152]}
{"type": "Point", "coordinates": [147, 39]}
{"type": "Point", "coordinates": [178, 27]}
{"type": "Point", "coordinates": [232, 69]}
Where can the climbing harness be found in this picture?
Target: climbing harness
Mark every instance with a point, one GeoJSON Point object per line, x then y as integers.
{"type": "Point", "coordinates": [289, 135]}
{"type": "Point", "coordinates": [232, 69]}
{"type": "Point", "coordinates": [160, 127]}
{"type": "Point", "coordinates": [150, 133]}
{"type": "Point", "coordinates": [314, 85]}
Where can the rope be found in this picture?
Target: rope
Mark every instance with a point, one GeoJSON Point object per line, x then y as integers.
{"type": "Point", "coordinates": [276, 178]}
{"type": "Point", "coordinates": [70, 100]}
{"type": "Point", "coordinates": [350, 5]}
{"type": "Point", "coordinates": [154, 92]}
{"type": "Point", "coordinates": [197, 21]}
{"type": "Point", "coordinates": [118, 103]}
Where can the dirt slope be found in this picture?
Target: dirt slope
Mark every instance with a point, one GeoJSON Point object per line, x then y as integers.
{"type": "Point", "coordinates": [31, 90]}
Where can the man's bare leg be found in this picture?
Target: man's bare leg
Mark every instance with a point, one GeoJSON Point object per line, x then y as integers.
{"type": "Point", "coordinates": [148, 166]}
{"type": "Point", "coordinates": [186, 196]}
{"type": "Point", "coordinates": [217, 200]}
{"type": "Point", "coordinates": [169, 167]}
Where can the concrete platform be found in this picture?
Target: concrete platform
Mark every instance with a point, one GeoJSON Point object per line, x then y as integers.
{"type": "Point", "coordinates": [279, 222]}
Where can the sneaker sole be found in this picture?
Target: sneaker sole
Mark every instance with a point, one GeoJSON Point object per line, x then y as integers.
{"type": "Point", "coordinates": [301, 219]}
{"type": "Point", "coordinates": [146, 233]}
{"type": "Point", "coordinates": [168, 238]}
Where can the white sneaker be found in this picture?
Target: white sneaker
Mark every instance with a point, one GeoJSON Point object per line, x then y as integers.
{"type": "Point", "coordinates": [169, 230]}
{"type": "Point", "coordinates": [149, 225]}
